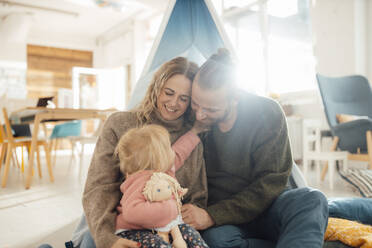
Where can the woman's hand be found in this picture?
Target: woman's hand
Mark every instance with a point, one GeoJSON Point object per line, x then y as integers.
{"type": "Point", "coordinates": [199, 127]}
{"type": "Point", "coordinates": [126, 243]}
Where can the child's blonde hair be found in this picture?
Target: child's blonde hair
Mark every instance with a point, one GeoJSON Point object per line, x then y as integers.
{"type": "Point", "coordinates": [145, 148]}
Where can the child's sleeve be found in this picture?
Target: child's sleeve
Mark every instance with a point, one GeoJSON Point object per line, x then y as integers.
{"type": "Point", "coordinates": [148, 215]}
{"type": "Point", "coordinates": [183, 148]}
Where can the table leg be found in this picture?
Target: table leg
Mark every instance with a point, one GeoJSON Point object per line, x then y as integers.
{"type": "Point", "coordinates": [38, 161]}
{"type": "Point", "coordinates": [32, 151]}
{"type": "Point", "coordinates": [47, 157]}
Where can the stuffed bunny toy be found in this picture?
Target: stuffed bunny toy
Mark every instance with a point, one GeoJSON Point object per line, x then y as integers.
{"type": "Point", "coordinates": [162, 187]}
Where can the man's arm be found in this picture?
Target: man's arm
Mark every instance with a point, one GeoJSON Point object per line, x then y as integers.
{"type": "Point", "coordinates": [272, 166]}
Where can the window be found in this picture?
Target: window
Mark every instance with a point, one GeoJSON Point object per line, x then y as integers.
{"type": "Point", "coordinates": [273, 44]}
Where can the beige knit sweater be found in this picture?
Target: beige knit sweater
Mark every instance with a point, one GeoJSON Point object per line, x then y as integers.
{"type": "Point", "coordinates": [102, 190]}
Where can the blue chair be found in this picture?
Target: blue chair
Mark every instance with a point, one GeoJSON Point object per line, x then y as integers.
{"type": "Point", "coordinates": [65, 131]}
{"type": "Point", "coordinates": [349, 95]}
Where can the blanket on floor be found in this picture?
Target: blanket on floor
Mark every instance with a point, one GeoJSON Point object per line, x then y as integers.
{"type": "Point", "coordinates": [349, 232]}
{"type": "Point", "coordinates": [359, 178]}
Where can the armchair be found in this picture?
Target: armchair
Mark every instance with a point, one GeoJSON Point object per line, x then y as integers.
{"type": "Point", "coordinates": [349, 95]}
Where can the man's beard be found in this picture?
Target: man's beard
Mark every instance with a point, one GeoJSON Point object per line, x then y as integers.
{"type": "Point", "coordinates": [226, 115]}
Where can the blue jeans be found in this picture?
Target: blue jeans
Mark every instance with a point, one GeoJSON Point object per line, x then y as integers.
{"type": "Point", "coordinates": [86, 241]}
{"type": "Point", "coordinates": [297, 218]}
{"type": "Point", "coordinates": [356, 208]}
{"type": "Point", "coordinates": [81, 238]}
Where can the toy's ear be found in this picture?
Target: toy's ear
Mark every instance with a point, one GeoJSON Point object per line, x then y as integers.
{"type": "Point", "coordinates": [182, 191]}
{"type": "Point", "coordinates": [147, 192]}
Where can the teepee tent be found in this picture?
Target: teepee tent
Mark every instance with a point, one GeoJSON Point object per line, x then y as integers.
{"type": "Point", "coordinates": [190, 28]}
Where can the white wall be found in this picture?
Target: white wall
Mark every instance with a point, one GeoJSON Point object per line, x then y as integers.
{"type": "Point", "coordinates": [342, 36]}
{"type": "Point", "coordinates": [127, 46]}
{"type": "Point", "coordinates": [124, 45]}
{"type": "Point", "coordinates": [139, 48]}
{"type": "Point", "coordinates": [17, 51]}
{"type": "Point", "coordinates": [13, 52]}
{"type": "Point", "coordinates": [333, 35]}
{"type": "Point", "coordinates": [114, 53]}
{"type": "Point", "coordinates": [61, 41]}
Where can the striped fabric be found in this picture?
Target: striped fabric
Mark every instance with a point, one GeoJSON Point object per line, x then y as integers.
{"type": "Point", "coordinates": [359, 178]}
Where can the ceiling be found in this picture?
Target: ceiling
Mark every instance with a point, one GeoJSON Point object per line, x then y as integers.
{"type": "Point", "coordinates": [84, 19]}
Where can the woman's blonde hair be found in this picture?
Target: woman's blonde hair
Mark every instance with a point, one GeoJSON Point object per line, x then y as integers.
{"type": "Point", "coordinates": [179, 65]}
{"type": "Point", "coordinates": [145, 148]}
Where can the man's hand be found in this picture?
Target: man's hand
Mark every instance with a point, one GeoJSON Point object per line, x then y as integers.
{"type": "Point", "coordinates": [125, 243]}
{"type": "Point", "coordinates": [196, 217]}
{"type": "Point", "coordinates": [199, 127]}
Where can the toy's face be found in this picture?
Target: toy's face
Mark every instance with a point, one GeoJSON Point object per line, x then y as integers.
{"type": "Point", "coordinates": [162, 191]}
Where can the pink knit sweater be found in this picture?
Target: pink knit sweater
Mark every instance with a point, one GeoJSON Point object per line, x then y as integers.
{"type": "Point", "coordinates": [135, 212]}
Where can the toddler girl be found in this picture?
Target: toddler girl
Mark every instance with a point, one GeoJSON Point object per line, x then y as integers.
{"type": "Point", "coordinates": [143, 151]}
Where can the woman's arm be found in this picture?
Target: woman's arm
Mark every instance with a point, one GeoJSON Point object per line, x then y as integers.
{"type": "Point", "coordinates": [102, 193]}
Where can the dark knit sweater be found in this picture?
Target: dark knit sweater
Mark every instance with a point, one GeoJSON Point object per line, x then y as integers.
{"type": "Point", "coordinates": [248, 166]}
{"type": "Point", "coordinates": [102, 189]}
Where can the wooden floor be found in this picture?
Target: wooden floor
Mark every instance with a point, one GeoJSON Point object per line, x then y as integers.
{"type": "Point", "coordinates": [341, 187]}
{"type": "Point", "coordinates": [48, 212]}
{"type": "Point", "coordinates": [45, 213]}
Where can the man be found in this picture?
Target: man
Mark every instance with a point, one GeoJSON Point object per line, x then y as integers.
{"type": "Point", "coordinates": [248, 160]}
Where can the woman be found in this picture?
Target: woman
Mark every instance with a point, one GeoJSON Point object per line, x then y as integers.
{"type": "Point", "coordinates": [166, 103]}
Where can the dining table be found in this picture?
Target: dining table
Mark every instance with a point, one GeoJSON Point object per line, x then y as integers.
{"type": "Point", "coordinates": [38, 115]}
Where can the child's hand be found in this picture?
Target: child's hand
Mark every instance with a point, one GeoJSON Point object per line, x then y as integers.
{"type": "Point", "coordinates": [126, 243]}
{"type": "Point", "coordinates": [199, 127]}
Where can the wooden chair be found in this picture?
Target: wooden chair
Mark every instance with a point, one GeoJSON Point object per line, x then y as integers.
{"type": "Point", "coordinates": [67, 130]}
{"type": "Point", "coordinates": [14, 142]}
{"type": "Point", "coordinates": [4, 146]}
{"type": "Point", "coordinates": [85, 140]}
